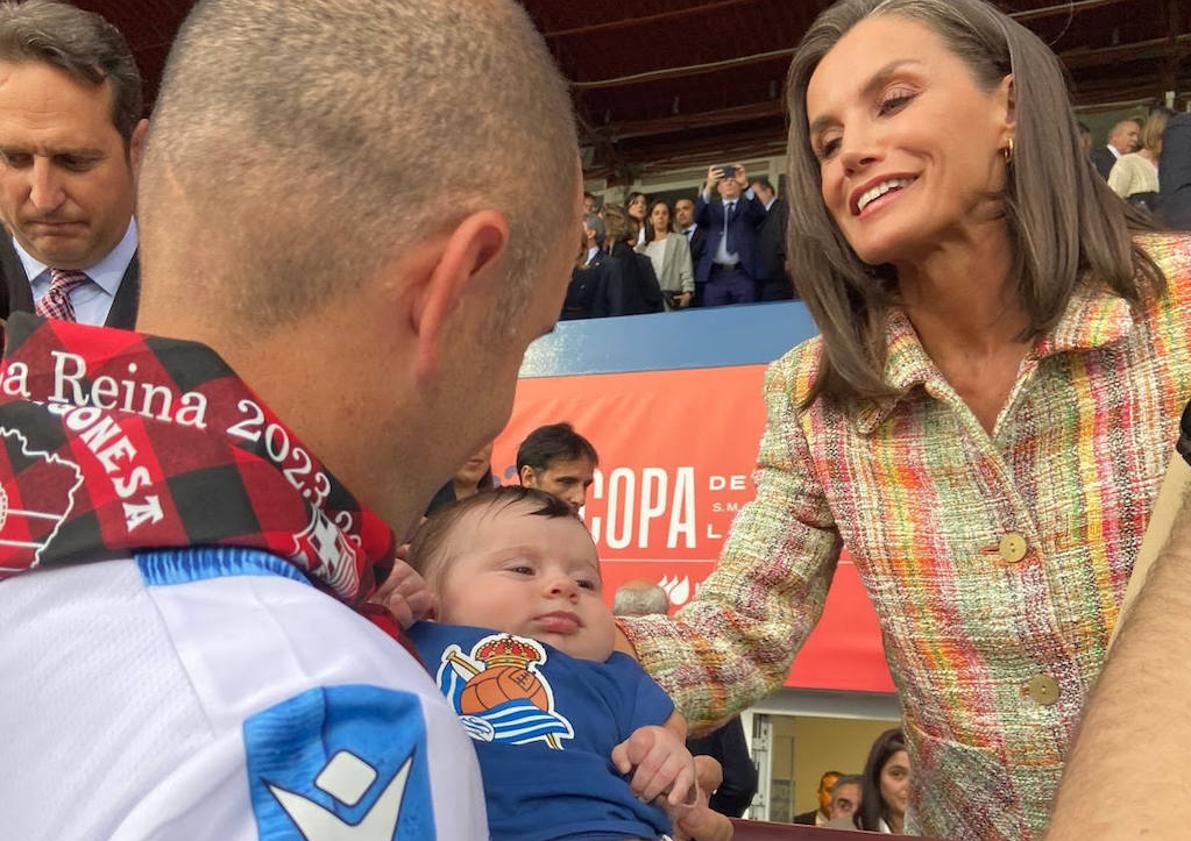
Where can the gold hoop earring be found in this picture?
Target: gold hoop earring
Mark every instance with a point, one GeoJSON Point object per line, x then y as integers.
{"type": "Point", "coordinates": [1008, 152]}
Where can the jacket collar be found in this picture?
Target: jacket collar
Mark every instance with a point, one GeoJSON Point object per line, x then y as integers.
{"type": "Point", "coordinates": [1094, 318]}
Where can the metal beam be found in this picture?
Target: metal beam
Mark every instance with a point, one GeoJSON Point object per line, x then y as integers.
{"type": "Point", "coordinates": [611, 25]}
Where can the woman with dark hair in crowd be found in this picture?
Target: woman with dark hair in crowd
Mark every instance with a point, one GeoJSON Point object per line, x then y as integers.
{"type": "Point", "coordinates": [472, 477]}
{"type": "Point", "coordinates": [1134, 177]}
{"type": "Point", "coordinates": [886, 790]}
{"type": "Point", "coordinates": [670, 256]}
{"type": "Point", "coordinates": [636, 204]}
{"type": "Point", "coordinates": [983, 423]}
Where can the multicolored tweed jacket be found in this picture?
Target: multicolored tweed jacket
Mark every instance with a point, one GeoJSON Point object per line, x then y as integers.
{"type": "Point", "coordinates": [996, 563]}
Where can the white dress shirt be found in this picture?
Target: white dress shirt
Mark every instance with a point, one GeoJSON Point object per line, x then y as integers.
{"type": "Point", "coordinates": [92, 301]}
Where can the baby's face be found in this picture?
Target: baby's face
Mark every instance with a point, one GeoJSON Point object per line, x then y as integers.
{"type": "Point", "coordinates": [521, 573]}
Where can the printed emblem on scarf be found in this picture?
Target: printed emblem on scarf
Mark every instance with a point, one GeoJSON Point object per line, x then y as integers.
{"type": "Point", "coordinates": [499, 693]}
{"type": "Point", "coordinates": [36, 496]}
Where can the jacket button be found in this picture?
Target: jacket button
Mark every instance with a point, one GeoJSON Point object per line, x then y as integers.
{"type": "Point", "coordinates": [1043, 690]}
{"type": "Point", "coordinates": [1012, 547]}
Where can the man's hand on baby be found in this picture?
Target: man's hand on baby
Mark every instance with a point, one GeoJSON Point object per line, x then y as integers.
{"type": "Point", "coordinates": [661, 765]}
{"type": "Point", "coordinates": [405, 595]}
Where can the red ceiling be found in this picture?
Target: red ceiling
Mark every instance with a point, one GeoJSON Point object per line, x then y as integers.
{"type": "Point", "coordinates": [672, 111]}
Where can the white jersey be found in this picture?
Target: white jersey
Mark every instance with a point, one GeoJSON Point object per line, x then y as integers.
{"type": "Point", "coordinates": [215, 694]}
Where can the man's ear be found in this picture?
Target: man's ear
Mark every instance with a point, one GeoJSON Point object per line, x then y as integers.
{"type": "Point", "coordinates": [465, 261]}
{"type": "Point", "coordinates": [527, 478]}
{"type": "Point", "coordinates": [136, 146]}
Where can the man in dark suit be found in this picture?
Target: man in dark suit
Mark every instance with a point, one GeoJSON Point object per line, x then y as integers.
{"type": "Point", "coordinates": [773, 281]}
{"type": "Point", "coordinates": [1124, 138]}
{"type": "Point", "coordinates": [696, 236]}
{"type": "Point", "coordinates": [1175, 173]}
{"type": "Point", "coordinates": [820, 816]}
{"type": "Point", "coordinates": [67, 188]}
{"type": "Point", "coordinates": [729, 263]}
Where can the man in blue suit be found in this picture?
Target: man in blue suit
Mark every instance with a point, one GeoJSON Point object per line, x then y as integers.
{"type": "Point", "coordinates": [728, 266]}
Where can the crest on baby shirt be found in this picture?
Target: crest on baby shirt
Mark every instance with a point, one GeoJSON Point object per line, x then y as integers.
{"type": "Point", "coordinates": [499, 693]}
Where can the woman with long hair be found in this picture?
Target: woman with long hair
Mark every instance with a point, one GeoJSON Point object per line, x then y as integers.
{"type": "Point", "coordinates": [983, 422]}
{"type": "Point", "coordinates": [1134, 177]}
{"type": "Point", "coordinates": [886, 790]}
{"type": "Point", "coordinates": [636, 206]}
{"type": "Point", "coordinates": [670, 256]}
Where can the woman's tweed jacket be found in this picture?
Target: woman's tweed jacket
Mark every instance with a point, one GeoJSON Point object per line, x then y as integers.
{"type": "Point", "coordinates": [993, 643]}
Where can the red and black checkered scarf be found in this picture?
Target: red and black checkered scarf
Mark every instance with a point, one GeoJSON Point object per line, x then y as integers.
{"type": "Point", "coordinates": [115, 442]}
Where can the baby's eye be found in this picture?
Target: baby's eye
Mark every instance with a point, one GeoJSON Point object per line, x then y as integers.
{"type": "Point", "coordinates": [587, 584]}
{"type": "Point", "coordinates": [522, 569]}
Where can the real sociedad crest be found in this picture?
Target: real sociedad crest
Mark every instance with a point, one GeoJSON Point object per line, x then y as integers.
{"type": "Point", "coordinates": [499, 694]}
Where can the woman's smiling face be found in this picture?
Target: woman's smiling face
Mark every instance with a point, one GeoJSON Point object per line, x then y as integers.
{"type": "Point", "coordinates": [909, 144]}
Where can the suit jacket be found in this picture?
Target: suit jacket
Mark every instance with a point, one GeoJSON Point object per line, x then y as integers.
{"type": "Point", "coordinates": [806, 818]}
{"type": "Point", "coordinates": [698, 243]}
{"type": "Point", "coordinates": [677, 269]}
{"type": "Point", "coordinates": [730, 747]}
{"type": "Point", "coordinates": [750, 213]}
{"type": "Point", "coordinates": [1104, 160]}
{"type": "Point", "coordinates": [771, 237]}
{"type": "Point", "coordinates": [18, 294]}
{"type": "Point", "coordinates": [1175, 173]}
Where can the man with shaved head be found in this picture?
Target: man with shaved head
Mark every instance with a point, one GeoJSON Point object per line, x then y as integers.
{"type": "Point", "coordinates": [354, 217]}
{"type": "Point", "coordinates": [1124, 138]}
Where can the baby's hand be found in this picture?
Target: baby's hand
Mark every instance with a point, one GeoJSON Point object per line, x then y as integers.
{"type": "Point", "coordinates": [404, 594]}
{"type": "Point", "coordinates": [662, 765]}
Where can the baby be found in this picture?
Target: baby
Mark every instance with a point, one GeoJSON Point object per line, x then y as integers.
{"type": "Point", "coordinates": [523, 650]}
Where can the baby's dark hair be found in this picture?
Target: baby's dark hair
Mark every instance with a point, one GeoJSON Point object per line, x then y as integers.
{"type": "Point", "coordinates": [431, 537]}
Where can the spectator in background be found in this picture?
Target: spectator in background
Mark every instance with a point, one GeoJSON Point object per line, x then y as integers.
{"type": "Point", "coordinates": [473, 476]}
{"type": "Point", "coordinates": [589, 279]}
{"type": "Point", "coordinates": [1134, 177]}
{"type": "Point", "coordinates": [670, 255]}
{"type": "Point", "coordinates": [1174, 177]}
{"type": "Point", "coordinates": [640, 598]}
{"type": "Point", "coordinates": [558, 460]}
{"type": "Point", "coordinates": [729, 264]}
{"type": "Point", "coordinates": [727, 744]}
{"type": "Point", "coordinates": [1123, 139]}
{"type": "Point", "coordinates": [72, 134]}
{"type": "Point", "coordinates": [820, 816]}
{"type": "Point", "coordinates": [846, 797]}
{"type": "Point", "coordinates": [773, 279]}
{"type": "Point", "coordinates": [632, 287]}
{"type": "Point", "coordinates": [636, 206]}
{"type": "Point", "coordinates": [886, 793]}
{"type": "Point", "coordinates": [591, 204]}
{"type": "Point", "coordinates": [696, 237]}
{"type": "Point", "coordinates": [1085, 140]}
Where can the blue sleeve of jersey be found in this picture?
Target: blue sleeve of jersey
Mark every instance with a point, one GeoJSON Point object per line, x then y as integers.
{"type": "Point", "coordinates": [642, 701]}
{"type": "Point", "coordinates": [336, 758]}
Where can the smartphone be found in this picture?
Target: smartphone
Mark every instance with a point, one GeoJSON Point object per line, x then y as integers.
{"type": "Point", "coordinates": [729, 171]}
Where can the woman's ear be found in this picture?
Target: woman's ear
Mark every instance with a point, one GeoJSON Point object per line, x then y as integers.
{"type": "Point", "coordinates": [1007, 102]}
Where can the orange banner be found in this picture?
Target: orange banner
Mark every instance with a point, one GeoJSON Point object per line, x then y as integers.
{"type": "Point", "coordinates": [677, 450]}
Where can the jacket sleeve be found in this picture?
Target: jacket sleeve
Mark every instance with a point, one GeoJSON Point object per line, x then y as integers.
{"type": "Point", "coordinates": [1120, 179]}
{"type": "Point", "coordinates": [734, 643]}
{"type": "Point", "coordinates": [686, 269]}
{"type": "Point", "coordinates": [754, 211]}
{"type": "Point", "coordinates": [702, 211]}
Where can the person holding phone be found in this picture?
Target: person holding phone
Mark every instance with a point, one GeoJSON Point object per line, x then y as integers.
{"type": "Point", "coordinates": [728, 266]}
